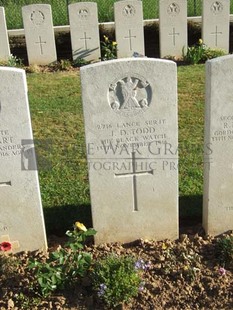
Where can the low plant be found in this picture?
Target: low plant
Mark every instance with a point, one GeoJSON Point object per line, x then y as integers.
{"type": "Point", "coordinates": [65, 64]}
{"type": "Point", "coordinates": [8, 265]}
{"type": "Point", "coordinates": [65, 266]}
{"type": "Point", "coordinates": [108, 49]}
{"type": "Point", "coordinates": [211, 53]}
{"type": "Point", "coordinates": [33, 69]}
{"type": "Point", "coordinates": [194, 54]}
{"type": "Point", "coordinates": [12, 61]}
{"type": "Point", "coordinates": [117, 279]}
{"type": "Point", "coordinates": [80, 62]}
{"type": "Point", "coordinates": [200, 53]}
{"type": "Point", "coordinates": [62, 65]}
{"type": "Point", "coordinates": [224, 251]}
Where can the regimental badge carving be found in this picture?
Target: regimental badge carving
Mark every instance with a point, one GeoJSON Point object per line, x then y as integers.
{"type": "Point", "coordinates": [130, 95]}
{"type": "Point", "coordinates": [216, 7]}
{"type": "Point", "coordinates": [129, 10]}
{"type": "Point", "coordinates": [37, 18]}
{"type": "Point", "coordinates": [83, 13]}
{"type": "Point", "coordinates": [173, 9]}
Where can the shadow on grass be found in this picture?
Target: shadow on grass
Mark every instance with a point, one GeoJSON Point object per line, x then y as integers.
{"type": "Point", "coordinates": [59, 219]}
{"type": "Point", "coordinates": [190, 210]}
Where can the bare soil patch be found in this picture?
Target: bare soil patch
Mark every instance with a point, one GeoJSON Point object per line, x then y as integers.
{"type": "Point", "coordinates": [183, 274]}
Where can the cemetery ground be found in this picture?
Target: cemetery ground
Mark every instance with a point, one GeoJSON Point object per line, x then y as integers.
{"type": "Point", "coordinates": [193, 272]}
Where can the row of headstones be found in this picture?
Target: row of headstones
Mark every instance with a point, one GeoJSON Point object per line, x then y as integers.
{"type": "Point", "coordinates": [130, 112]}
{"type": "Point", "coordinates": [84, 29]}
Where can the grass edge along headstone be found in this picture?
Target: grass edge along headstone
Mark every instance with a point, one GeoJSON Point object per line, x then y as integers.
{"type": "Point", "coordinates": [130, 115]}
{"type": "Point", "coordinates": [128, 16]}
{"type": "Point", "coordinates": [218, 147]}
{"type": "Point", "coordinates": [21, 214]}
{"type": "Point", "coordinates": [4, 46]}
{"type": "Point", "coordinates": [84, 31]}
{"type": "Point", "coordinates": [39, 34]}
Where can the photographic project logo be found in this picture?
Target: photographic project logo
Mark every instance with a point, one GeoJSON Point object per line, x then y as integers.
{"type": "Point", "coordinates": [34, 154]}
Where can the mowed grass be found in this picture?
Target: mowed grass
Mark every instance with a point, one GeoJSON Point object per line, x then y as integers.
{"type": "Point", "coordinates": [57, 120]}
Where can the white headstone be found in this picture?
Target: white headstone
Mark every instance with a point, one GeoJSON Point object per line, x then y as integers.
{"type": "Point", "coordinates": [216, 23]}
{"type": "Point", "coordinates": [4, 46]}
{"type": "Point", "coordinates": [39, 34]}
{"type": "Point", "coordinates": [129, 28]}
{"type": "Point", "coordinates": [173, 27]}
{"type": "Point", "coordinates": [130, 110]}
{"type": "Point", "coordinates": [84, 30]}
{"type": "Point", "coordinates": [21, 216]}
{"type": "Point", "coordinates": [218, 172]}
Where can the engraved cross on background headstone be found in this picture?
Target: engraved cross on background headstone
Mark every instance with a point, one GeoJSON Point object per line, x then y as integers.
{"type": "Point", "coordinates": [174, 34]}
{"type": "Point", "coordinates": [216, 33]}
{"type": "Point", "coordinates": [41, 45]}
{"type": "Point", "coordinates": [85, 40]}
{"type": "Point", "coordinates": [134, 174]}
{"type": "Point", "coordinates": [130, 39]}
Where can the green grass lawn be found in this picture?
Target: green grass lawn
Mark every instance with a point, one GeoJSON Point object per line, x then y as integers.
{"type": "Point", "coordinates": [57, 119]}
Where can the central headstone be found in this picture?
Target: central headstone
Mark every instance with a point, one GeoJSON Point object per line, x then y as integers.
{"type": "Point", "coordinates": [84, 30]}
{"type": "Point", "coordinates": [130, 109]}
{"type": "Point", "coordinates": [216, 24]}
{"type": "Point", "coordinates": [4, 46]}
{"type": "Point", "coordinates": [129, 28]}
{"type": "Point", "coordinates": [39, 34]}
{"type": "Point", "coordinates": [21, 215]}
{"type": "Point", "coordinates": [173, 27]}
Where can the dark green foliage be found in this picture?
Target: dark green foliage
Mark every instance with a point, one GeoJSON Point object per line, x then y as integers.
{"type": "Point", "coordinates": [224, 251]}
{"type": "Point", "coordinates": [116, 280]}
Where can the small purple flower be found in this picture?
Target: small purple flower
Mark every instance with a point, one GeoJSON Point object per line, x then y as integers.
{"type": "Point", "coordinates": [102, 289]}
{"type": "Point", "coordinates": [141, 286]}
{"type": "Point", "coordinates": [147, 265]}
{"type": "Point", "coordinates": [222, 271]}
{"type": "Point", "coordinates": [140, 264]}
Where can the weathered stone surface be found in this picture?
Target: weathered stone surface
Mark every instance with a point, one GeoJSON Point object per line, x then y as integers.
{"type": "Point", "coordinates": [173, 27]}
{"type": "Point", "coordinates": [84, 30]}
{"type": "Point", "coordinates": [4, 46]}
{"type": "Point", "coordinates": [218, 172]}
{"type": "Point", "coordinates": [21, 216]}
{"type": "Point", "coordinates": [39, 34]}
{"type": "Point", "coordinates": [129, 28]}
{"type": "Point", "coordinates": [216, 23]}
{"type": "Point", "coordinates": [130, 109]}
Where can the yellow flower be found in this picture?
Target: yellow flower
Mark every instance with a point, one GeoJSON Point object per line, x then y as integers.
{"type": "Point", "coordinates": [164, 247]}
{"type": "Point", "coordinates": [105, 38]}
{"type": "Point", "coordinates": [114, 43]}
{"type": "Point", "coordinates": [185, 268]}
{"type": "Point", "coordinates": [200, 42]}
{"type": "Point", "coordinates": [80, 226]}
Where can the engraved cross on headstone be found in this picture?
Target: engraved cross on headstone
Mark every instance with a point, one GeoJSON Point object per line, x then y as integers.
{"type": "Point", "coordinates": [134, 174]}
{"type": "Point", "coordinates": [130, 39]}
{"type": "Point", "coordinates": [41, 45]}
{"type": "Point", "coordinates": [216, 33]}
{"type": "Point", "coordinates": [85, 40]}
{"type": "Point", "coordinates": [174, 34]}
{"type": "Point", "coordinates": [2, 184]}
